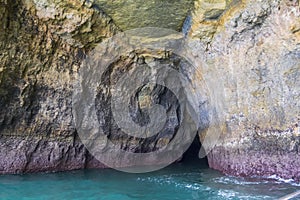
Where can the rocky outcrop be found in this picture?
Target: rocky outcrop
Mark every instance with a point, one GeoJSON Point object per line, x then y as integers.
{"type": "Point", "coordinates": [40, 56]}
{"type": "Point", "coordinates": [257, 52]}
{"type": "Point", "coordinates": [251, 48]}
{"type": "Point", "coordinates": [140, 13]}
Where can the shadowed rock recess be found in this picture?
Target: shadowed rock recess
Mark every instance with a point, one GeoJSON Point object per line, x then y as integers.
{"type": "Point", "coordinates": [254, 45]}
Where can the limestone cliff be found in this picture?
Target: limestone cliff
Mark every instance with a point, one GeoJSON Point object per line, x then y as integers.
{"type": "Point", "coordinates": [39, 56]}
{"type": "Point", "coordinates": [253, 47]}
{"type": "Point", "coordinates": [256, 47]}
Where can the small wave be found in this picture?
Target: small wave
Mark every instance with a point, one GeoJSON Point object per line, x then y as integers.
{"type": "Point", "coordinates": [230, 194]}
{"type": "Point", "coordinates": [177, 180]}
{"type": "Point", "coordinates": [254, 180]}
{"type": "Point", "coordinates": [237, 181]}
{"type": "Point", "coordinates": [226, 193]}
{"type": "Point", "coordinates": [282, 180]}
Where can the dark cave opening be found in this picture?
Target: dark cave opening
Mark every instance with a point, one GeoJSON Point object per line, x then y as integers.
{"type": "Point", "coordinates": [191, 155]}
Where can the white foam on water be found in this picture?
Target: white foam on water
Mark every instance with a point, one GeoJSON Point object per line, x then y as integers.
{"type": "Point", "coordinates": [177, 181]}
{"type": "Point", "coordinates": [237, 181]}
{"type": "Point", "coordinates": [282, 180]}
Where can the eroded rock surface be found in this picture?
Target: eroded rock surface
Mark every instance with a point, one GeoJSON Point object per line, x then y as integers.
{"type": "Point", "coordinates": [152, 13]}
{"type": "Point", "coordinates": [257, 53]}
{"type": "Point", "coordinates": [252, 48]}
{"type": "Point", "coordinates": [36, 74]}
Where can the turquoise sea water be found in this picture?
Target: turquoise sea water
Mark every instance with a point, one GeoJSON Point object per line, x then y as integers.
{"type": "Point", "coordinates": [181, 181]}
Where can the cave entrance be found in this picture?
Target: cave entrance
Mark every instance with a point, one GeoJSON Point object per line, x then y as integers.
{"type": "Point", "coordinates": [191, 155]}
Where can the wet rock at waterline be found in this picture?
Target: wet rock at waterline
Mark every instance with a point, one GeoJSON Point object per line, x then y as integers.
{"type": "Point", "coordinates": [251, 54]}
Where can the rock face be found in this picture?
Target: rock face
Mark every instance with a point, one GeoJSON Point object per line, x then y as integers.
{"type": "Point", "coordinates": [39, 57]}
{"type": "Point", "coordinates": [139, 13]}
{"type": "Point", "coordinates": [252, 48]}
{"type": "Point", "coordinates": [257, 51]}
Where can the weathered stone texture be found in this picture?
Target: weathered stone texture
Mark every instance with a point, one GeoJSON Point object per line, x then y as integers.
{"type": "Point", "coordinates": [39, 58]}
{"type": "Point", "coordinates": [252, 50]}
{"type": "Point", "coordinates": [258, 54]}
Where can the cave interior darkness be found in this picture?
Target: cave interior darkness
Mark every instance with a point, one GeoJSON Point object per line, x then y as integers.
{"type": "Point", "coordinates": [191, 154]}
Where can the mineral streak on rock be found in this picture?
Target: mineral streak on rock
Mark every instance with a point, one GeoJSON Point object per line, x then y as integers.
{"type": "Point", "coordinates": [254, 45]}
